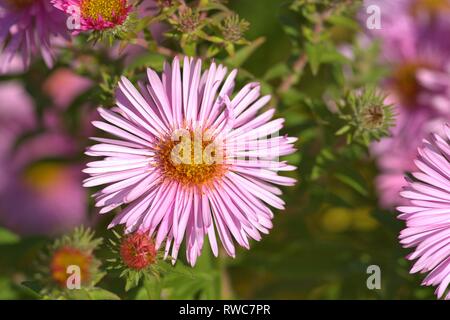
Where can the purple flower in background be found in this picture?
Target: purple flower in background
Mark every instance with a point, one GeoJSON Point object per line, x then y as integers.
{"type": "Point", "coordinates": [395, 155]}
{"type": "Point", "coordinates": [405, 23]}
{"type": "Point", "coordinates": [173, 160]}
{"type": "Point", "coordinates": [16, 119]}
{"type": "Point", "coordinates": [416, 53]}
{"type": "Point", "coordinates": [412, 33]}
{"type": "Point", "coordinates": [73, 84]}
{"type": "Point", "coordinates": [27, 28]}
{"type": "Point", "coordinates": [427, 213]}
{"type": "Point", "coordinates": [38, 195]}
{"type": "Point", "coordinates": [397, 27]}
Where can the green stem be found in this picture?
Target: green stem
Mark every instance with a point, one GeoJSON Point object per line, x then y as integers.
{"type": "Point", "coordinates": [226, 289]}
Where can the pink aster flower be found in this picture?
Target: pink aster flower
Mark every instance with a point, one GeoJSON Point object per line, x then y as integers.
{"type": "Point", "coordinates": [222, 182]}
{"type": "Point", "coordinates": [427, 213]}
{"type": "Point", "coordinates": [405, 23]}
{"type": "Point", "coordinates": [29, 27]}
{"type": "Point", "coordinates": [89, 15]}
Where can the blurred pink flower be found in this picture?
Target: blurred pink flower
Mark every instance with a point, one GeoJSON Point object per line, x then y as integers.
{"type": "Point", "coordinates": [395, 155]}
{"type": "Point", "coordinates": [38, 195]}
{"type": "Point", "coordinates": [173, 200]}
{"type": "Point", "coordinates": [16, 117]}
{"type": "Point", "coordinates": [419, 85]}
{"type": "Point", "coordinates": [14, 120]}
{"type": "Point", "coordinates": [420, 64]}
{"type": "Point", "coordinates": [404, 24]}
{"type": "Point", "coordinates": [29, 27]}
{"type": "Point", "coordinates": [64, 86]}
{"type": "Point", "coordinates": [427, 213]}
{"type": "Point", "coordinates": [397, 29]}
{"type": "Point", "coordinates": [150, 8]}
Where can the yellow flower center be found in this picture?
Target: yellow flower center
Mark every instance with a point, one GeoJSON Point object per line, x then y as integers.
{"type": "Point", "coordinates": [431, 7]}
{"type": "Point", "coordinates": [108, 10]}
{"type": "Point", "coordinates": [20, 4]}
{"type": "Point", "coordinates": [190, 158]}
{"type": "Point", "coordinates": [44, 176]}
{"type": "Point", "coordinates": [67, 257]}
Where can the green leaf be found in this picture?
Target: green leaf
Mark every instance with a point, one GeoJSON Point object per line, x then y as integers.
{"type": "Point", "coordinates": [33, 288]}
{"type": "Point", "coordinates": [313, 53]}
{"type": "Point", "coordinates": [277, 71]}
{"type": "Point", "coordinates": [243, 54]}
{"type": "Point", "coordinates": [149, 60]}
{"type": "Point", "coordinates": [205, 36]}
{"type": "Point", "coordinates": [202, 281]}
{"type": "Point", "coordinates": [153, 287]}
{"type": "Point", "coordinates": [102, 294]}
{"type": "Point", "coordinates": [343, 130]}
{"type": "Point", "coordinates": [320, 53]}
{"type": "Point", "coordinates": [8, 290]}
{"type": "Point", "coordinates": [7, 237]}
{"type": "Point", "coordinates": [353, 183]}
{"type": "Point", "coordinates": [131, 279]}
{"type": "Point", "coordinates": [90, 294]}
{"type": "Point", "coordinates": [80, 294]}
{"type": "Point", "coordinates": [343, 21]}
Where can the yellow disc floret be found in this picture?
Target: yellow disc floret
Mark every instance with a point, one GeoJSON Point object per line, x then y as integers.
{"type": "Point", "coordinates": [190, 159]}
{"type": "Point", "coordinates": [107, 10]}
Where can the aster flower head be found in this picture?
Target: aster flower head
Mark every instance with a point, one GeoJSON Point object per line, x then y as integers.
{"type": "Point", "coordinates": [189, 159]}
{"type": "Point", "coordinates": [233, 28]}
{"type": "Point", "coordinates": [28, 28]}
{"type": "Point", "coordinates": [69, 254]}
{"type": "Point", "coordinates": [427, 213]}
{"type": "Point", "coordinates": [367, 116]}
{"type": "Point", "coordinates": [137, 251]}
{"type": "Point", "coordinates": [94, 15]}
{"type": "Point", "coordinates": [135, 257]}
